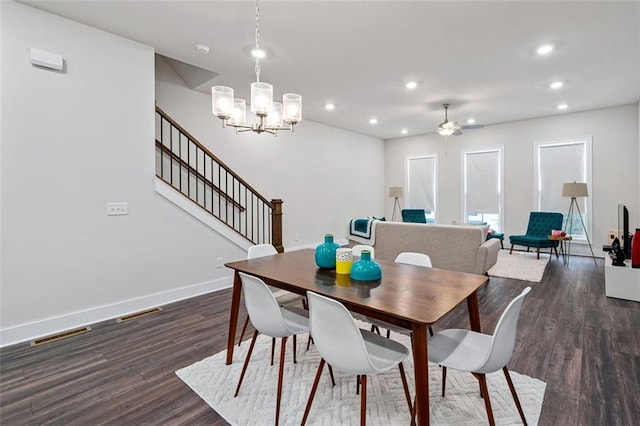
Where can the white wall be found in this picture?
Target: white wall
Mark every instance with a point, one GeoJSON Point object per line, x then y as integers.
{"type": "Point", "coordinates": [324, 175]}
{"type": "Point", "coordinates": [615, 165]}
{"type": "Point", "coordinates": [74, 140]}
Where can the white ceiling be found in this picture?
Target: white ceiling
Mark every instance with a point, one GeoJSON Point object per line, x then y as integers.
{"type": "Point", "coordinates": [478, 56]}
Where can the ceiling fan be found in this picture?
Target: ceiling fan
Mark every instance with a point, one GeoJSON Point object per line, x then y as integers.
{"type": "Point", "coordinates": [448, 128]}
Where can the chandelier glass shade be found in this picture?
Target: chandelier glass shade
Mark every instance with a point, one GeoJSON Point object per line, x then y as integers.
{"type": "Point", "coordinates": [271, 115]}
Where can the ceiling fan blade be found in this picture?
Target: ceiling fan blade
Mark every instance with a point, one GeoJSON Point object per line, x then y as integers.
{"type": "Point", "coordinates": [472, 126]}
{"type": "Point", "coordinates": [457, 133]}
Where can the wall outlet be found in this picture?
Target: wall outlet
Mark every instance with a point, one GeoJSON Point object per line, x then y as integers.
{"type": "Point", "coordinates": [117, 209]}
{"type": "Point", "coordinates": [219, 262]}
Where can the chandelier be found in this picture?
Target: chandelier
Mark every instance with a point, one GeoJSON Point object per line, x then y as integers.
{"type": "Point", "coordinates": [272, 116]}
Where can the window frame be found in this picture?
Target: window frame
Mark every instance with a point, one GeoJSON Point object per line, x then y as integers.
{"type": "Point", "coordinates": [433, 218]}
{"type": "Point", "coordinates": [463, 181]}
{"type": "Point", "coordinates": [588, 143]}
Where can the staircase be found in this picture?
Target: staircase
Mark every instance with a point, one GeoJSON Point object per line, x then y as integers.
{"type": "Point", "coordinates": [186, 165]}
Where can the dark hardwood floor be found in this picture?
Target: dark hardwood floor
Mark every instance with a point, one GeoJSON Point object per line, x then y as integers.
{"type": "Point", "coordinates": [584, 345]}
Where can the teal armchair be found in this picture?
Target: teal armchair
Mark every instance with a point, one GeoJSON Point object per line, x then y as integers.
{"type": "Point", "coordinates": [414, 215]}
{"type": "Point", "coordinates": [538, 231]}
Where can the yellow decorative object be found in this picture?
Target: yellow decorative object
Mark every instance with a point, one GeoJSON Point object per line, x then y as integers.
{"type": "Point", "coordinates": [344, 260]}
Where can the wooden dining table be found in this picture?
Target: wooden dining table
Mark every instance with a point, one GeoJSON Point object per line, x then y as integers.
{"type": "Point", "coordinates": [408, 296]}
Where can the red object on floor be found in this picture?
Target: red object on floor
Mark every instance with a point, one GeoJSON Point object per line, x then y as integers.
{"type": "Point", "coordinates": [635, 249]}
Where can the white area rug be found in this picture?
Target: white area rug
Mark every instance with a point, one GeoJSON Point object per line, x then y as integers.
{"type": "Point", "coordinates": [520, 266]}
{"type": "Point", "coordinates": [215, 383]}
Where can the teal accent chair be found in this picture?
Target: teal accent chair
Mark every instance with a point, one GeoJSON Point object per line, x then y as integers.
{"type": "Point", "coordinates": [538, 231]}
{"type": "Point", "coordinates": [414, 215]}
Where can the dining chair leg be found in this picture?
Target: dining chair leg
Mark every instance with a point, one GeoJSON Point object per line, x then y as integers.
{"type": "Point", "coordinates": [294, 349]}
{"type": "Point", "coordinates": [313, 392]}
{"type": "Point", "coordinates": [357, 385]}
{"type": "Point", "coordinates": [444, 379]}
{"type": "Point", "coordinates": [538, 252]}
{"type": "Point", "coordinates": [514, 394]}
{"type": "Point", "coordinates": [333, 380]}
{"type": "Point", "coordinates": [244, 328]}
{"type": "Point", "coordinates": [309, 341]}
{"type": "Point", "coordinates": [511, 251]}
{"type": "Point", "coordinates": [273, 348]}
{"type": "Point", "coordinates": [485, 394]}
{"type": "Point", "coordinates": [283, 348]}
{"type": "Point", "coordinates": [405, 386]}
{"type": "Point", "coordinates": [363, 401]}
{"type": "Point", "coordinates": [430, 331]}
{"type": "Point", "coordinates": [246, 361]}
{"type": "Point", "coordinates": [388, 334]}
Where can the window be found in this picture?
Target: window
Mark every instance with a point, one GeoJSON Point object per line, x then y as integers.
{"type": "Point", "coordinates": [558, 162]}
{"type": "Point", "coordinates": [482, 198]}
{"type": "Point", "coordinates": [421, 185]}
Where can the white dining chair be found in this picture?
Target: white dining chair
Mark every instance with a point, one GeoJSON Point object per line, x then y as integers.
{"type": "Point", "coordinates": [412, 258]}
{"type": "Point", "coordinates": [407, 258]}
{"type": "Point", "coordinates": [349, 349]}
{"type": "Point", "coordinates": [357, 250]}
{"type": "Point", "coordinates": [479, 353]}
{"type": "Point", "coordinates": [271, 320]}
{"type": "Point", "coordinates": [282, 296]}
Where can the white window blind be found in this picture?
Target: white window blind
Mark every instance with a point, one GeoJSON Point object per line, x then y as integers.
{"type": "Point", "coordinates": [558, 164]}
{"type": "Point", "coordinates": [482, 182]}
{"type": "Point", "coordinates": [421, 183]}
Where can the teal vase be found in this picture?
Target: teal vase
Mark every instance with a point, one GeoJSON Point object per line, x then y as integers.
{"type": "Point", "coordinates": [366, 269]}
{"type": "Point", "coordinates": [326, 253]}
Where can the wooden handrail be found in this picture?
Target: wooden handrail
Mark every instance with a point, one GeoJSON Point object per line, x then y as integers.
{"type": "Point", "coordinates": [209, 153]}
{"type": "Point", "coordinates": [198, 175]}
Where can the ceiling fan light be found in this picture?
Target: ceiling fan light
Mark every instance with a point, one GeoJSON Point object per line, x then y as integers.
{"type": "Point", "coordinates": [446, 132]}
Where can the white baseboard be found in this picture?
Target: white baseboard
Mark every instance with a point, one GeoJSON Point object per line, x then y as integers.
{"type": "Point", "coordinates": [49, 326]}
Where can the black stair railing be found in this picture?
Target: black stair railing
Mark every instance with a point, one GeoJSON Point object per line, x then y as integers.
{"type": "Point", "coordinates": [190, 168]}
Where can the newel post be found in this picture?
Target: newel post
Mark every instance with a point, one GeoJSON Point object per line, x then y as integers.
{"type": "Point", "coordinates": [276, 225]}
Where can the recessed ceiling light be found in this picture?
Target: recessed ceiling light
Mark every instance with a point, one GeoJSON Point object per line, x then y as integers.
{"type": "Point", "coordinates": [373, 121]}
{"type": "Point", "coordinates": [563, 106]}
{"type": "Point", "coordinates": [411, 84]}
{"type": "Point", "coordinates": [330, 107]}
{"type": "Point", "coordinates": [471, 121]}
{"type": "Point", "coordinates": [203, 49]}
{"type": "Point", "coordinates": [556, 85]}
{"type": "Point", "coordinates": [258, 53]}
{"type": "Point", "coordinates": [404, 131]}
{"type": "Point", "coordinates": [544, 49]}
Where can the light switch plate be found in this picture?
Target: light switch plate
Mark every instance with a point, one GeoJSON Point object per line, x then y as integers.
{"type": "Point", "coordinates": [117, 209]}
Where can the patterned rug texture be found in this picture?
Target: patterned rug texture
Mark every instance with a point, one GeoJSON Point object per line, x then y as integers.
{"type": "Point", "coordinates": [215, 383]}
{"type": "Point", "coordinates": [520, 266]}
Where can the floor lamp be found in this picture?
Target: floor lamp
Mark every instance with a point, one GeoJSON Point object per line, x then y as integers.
{"type": "Point", "coordinates": [575, 190]}
{"type": "Point", "coordinates": [395, 192]}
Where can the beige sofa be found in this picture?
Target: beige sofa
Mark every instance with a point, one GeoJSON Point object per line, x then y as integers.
{"type": "Point", "coordinates": [453, 247]}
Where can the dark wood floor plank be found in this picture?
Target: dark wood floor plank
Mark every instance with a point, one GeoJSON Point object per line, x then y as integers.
{"type": "Point", "coordinates": [583, 344]}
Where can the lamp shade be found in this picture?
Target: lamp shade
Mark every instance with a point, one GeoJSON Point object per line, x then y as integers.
{"type": "Point", "coordinates": [395, 192]}
{"type": "Point", "coordinates": [575, 189]}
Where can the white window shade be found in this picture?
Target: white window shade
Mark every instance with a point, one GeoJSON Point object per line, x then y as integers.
{"type": "Point", "coordinates": [482, 182]}
{"type": "Point", "coordinates": [421, 183]}
{"type": "Point", "coordinates": [559, 164]}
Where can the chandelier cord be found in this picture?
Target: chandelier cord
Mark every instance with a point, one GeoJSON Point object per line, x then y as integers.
{"type": "Point", "coordinates": [257, 41]}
